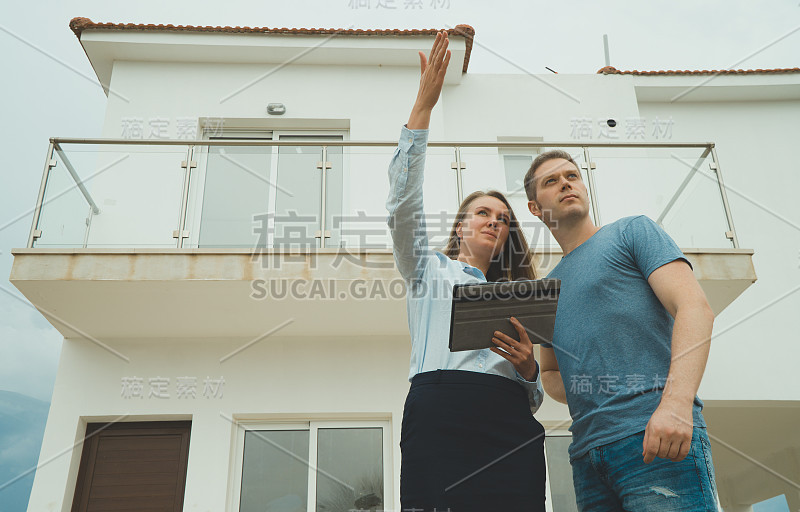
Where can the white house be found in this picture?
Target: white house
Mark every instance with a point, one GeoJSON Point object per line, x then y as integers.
{"type": "Point", "coordinates": [235, 334]}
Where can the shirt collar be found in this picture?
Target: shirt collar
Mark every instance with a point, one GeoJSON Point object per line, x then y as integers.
{"type": "Point", "coordinates": [473, 271]}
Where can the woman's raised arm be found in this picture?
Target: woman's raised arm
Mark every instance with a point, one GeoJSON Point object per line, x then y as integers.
{"type": "Point", "coordinates": [406, 213]}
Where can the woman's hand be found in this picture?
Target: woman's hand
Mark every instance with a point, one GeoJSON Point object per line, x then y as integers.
{"type": "Point", "coordinates": [431, 81]}
{"type": "Point", "coordinates": [519, 353]}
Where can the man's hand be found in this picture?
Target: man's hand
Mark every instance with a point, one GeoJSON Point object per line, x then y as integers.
{"type": "Point", "coordinates": [669, 432]}
{"type": "Point", "coordinates": [432, 70]}
{"type": "Point", "coordinates": [519, 353]}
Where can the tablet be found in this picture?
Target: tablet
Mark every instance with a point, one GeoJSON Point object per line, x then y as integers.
{"type": "Point", "coordinates": [480, 309]}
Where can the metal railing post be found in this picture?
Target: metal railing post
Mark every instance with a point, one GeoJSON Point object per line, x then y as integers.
{"type": "Point", "coordinates": [458, 165]}
{"type": "Point", "coordinates": [49, 163]}
{"type": "Point", "coordinates": [731, 233]}
{"type": "Point", "coordinates": [188, 164]}
{"type": "Point", "coordinates": [589, 166]}
{"type": "Point", "coordinates": [89, 217]}
{"type": "Point", "coordinates": [322, 204]}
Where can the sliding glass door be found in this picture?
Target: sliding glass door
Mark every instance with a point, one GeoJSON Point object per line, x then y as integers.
{"type": "Point", "coordinates": [267, 196]}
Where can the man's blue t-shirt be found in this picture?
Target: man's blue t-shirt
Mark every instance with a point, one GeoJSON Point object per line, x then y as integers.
{"type": "Point", "coordinates": [613, 336]}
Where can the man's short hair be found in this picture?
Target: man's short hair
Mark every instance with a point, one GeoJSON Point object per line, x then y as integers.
{"type": "Point", "coordinates": [530, 184]}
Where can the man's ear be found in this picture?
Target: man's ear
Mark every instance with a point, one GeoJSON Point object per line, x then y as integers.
{"type": "Point", "coordinates": [535, 209]}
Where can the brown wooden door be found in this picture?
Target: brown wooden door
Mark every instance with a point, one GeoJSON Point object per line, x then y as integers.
{"type": "Point", "coordinates": [133, 466]}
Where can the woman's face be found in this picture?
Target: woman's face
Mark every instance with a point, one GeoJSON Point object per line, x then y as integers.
{"type": "Point", "coordinates": [485, 227]}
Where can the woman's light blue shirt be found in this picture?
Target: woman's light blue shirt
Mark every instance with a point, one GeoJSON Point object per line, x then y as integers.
{"type": "Point", "coordinates": [430, 276]}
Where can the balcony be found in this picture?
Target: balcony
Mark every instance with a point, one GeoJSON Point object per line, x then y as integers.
{"type": "Point", "coordinates": [243, 236]}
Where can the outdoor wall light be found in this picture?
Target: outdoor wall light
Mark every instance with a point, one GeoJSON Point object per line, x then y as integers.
{"type": "Point", "coordinates": [276, 109]}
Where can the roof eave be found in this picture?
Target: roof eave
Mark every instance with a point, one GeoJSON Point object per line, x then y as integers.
{"type": "Point", "coordinates": [115, 34]}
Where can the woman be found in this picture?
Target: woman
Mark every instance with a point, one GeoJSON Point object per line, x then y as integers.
{"type": "Point", "coordinates": [468, 440]}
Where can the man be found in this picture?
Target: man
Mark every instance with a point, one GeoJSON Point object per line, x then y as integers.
{"type": "Point", "coordinates": [631, 342]}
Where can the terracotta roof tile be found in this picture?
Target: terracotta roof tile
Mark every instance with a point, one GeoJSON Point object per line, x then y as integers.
{"type": "Point", "coordinates": [611, 70]}
{"type": "Point", "coordinates": [78, 25]}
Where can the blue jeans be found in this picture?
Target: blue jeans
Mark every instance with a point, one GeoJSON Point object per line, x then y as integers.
{"type": "Point", "coordinates": [614, 477]}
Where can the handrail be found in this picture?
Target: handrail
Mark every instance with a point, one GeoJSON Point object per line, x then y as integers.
{"type": "Point", "coordinates": [350, 143]}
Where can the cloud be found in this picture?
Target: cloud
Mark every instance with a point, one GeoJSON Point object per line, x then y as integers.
{"type": "Point", "coordinates": [30, 349]}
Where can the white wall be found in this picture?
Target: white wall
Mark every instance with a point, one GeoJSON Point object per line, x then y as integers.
{"type": "Point", "coordinates": [754, 352]}
{"type": "Point", "coordinates": [358, 377]}
{"type": "Point", "coordinates": [485, 107]}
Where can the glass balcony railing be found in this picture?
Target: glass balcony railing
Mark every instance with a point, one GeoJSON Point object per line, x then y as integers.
{"type": "Point", "coordinates": [315, 193]}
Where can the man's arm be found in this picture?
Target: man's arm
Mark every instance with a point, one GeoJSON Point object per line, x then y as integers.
{"type": "Point", "coordinates": [551, 375]}
{"type": "Point", "coordinates": [669, 432]}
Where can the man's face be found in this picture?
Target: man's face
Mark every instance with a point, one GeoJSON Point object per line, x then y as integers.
{"type": "Point", "coordinates": [560, 192]}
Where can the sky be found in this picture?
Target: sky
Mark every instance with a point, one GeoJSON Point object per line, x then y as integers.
{"type": "Point", "coordinates": [49, 88]}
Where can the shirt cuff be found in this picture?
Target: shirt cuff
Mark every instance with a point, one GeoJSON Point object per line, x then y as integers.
{"type": "Point", "coordinates": [532, 382]}
{"type": "Point", "coordinates": [413, 141]}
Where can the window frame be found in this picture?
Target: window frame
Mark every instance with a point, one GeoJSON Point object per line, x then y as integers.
{"type": "Point", "coordinates": [198, 174]}
{"type": "Point", "coordinates": [504, 152]}
{"type": "Point", "coordinates": [241, 427]}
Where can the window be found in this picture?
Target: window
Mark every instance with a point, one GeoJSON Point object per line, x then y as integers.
{"type": "Point", "coordinates": [515, 167]}
{"type": "Point", "coordinates": [299, 189]}
{"type": "Point", "coordinates": [265, 196]}
{"type": "Point", "coordinates": [559, 472]}
{"type": "Point", "coordinates": [515, 163]}
{"type": "Point", "coordinates": [316, 466]}
{"type": "Point", "coordinates": [236, 188]}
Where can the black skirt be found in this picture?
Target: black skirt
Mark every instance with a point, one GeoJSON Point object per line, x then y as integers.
{"type": "Point", "coordinates": [470, 444]}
